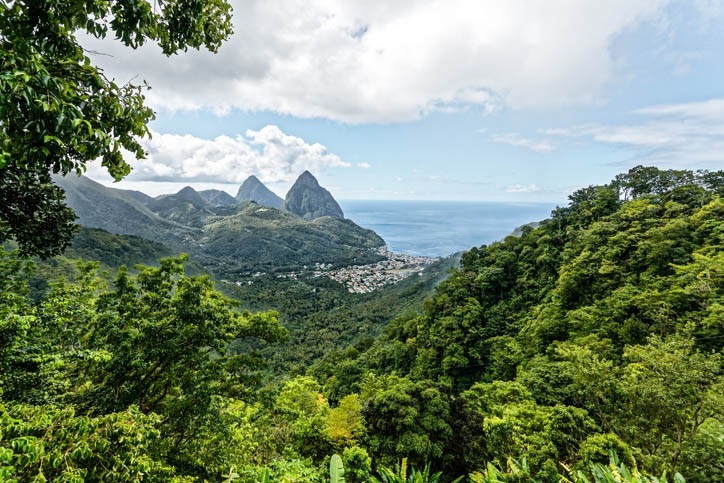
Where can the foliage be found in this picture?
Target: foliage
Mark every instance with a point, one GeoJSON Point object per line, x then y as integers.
{"type": "Point", "coordinates": [357, 464]}
{"type": "Point", "coordinates": [345, 423]}
{"type": "Point", "coordinates": [400, 474]}
{"type": "Point", "coordinates": [613, 472]}
{"type": "Point", "coordinates": [599, 330]}
{"type": "Point", "coordinates": [58, 111]}
{"type": "Point", "coordinates": [155, 343]}
{"type": "Point", "coordinates": [40, 443]}
{"type": "Point", "coordinates": [336, 469]}
{"type": "Point", "coordinates": [616, 471]}
{"type": "Point", "coordinates": [404, 418]}
{"type": "Point", "coordinates": [285, 471]}
{"type": "Point", "coordinates": [303, 414]}
{"type": "Point", "coordinates": [16, 316]}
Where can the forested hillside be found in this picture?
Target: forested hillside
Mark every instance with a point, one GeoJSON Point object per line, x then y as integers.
{"type": "Point", "coordinates": [599, 330]}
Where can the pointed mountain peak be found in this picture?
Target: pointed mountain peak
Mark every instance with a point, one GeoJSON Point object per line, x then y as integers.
{"type": "Point", "coordinates": [254, 190]}
{"type": "Point", "coordinates": [309, 200]}
{"type": "Point", "coordinates": [307, 179]}
{"type": "Point", "coordinates": [251, 181]}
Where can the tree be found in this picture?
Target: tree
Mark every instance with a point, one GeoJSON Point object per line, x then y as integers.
{"type": "Point", "coordinates": [404, 418]}
{"type": "Point", "coordinates": [670, 390]}
{"type": "Point", "coordinates": [303, 414]}
{"type": "Point", "coordinates": [59, 112]}
{"type": "Point", "coordinates": [345, 423]}
{"type": "Point", "coordinates": [40, 443]}
{"type": "Point", "coordinates": [168, 338]}
{"type": "Point", "coordinates": [155, 343]}
{"type": "Point", "coordinates": [16, 318]}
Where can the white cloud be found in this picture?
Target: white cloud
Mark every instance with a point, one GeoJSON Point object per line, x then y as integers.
{"type": "Point", "coordinates": [515, 139]}
{"type": "Point", "coordinates": [521, 188]}
{"type": "Point", "coordinates": [381, 61]}
{"type": "Point", "coordinates": [682, 134]}
{"type": "Point", "coordinates": [364, 165]}
{"type": "Point", "coordinates": [712, 109]}
{"type": "Point", "coordinates": [270, 154]}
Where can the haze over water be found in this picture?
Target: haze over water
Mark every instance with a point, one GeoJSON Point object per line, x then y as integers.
{"type": "Point", "coordinates": [440, 228]}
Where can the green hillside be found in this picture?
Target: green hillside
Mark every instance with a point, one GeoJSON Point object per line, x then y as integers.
{"type": "Point", "coordinates": [602, 329]}
{"type": "Point", "coordinates": [321, 315]}
{"type": "Point", "coordinates": [260, 238]}
{"type": "Point", "coordinates": [115, 250]}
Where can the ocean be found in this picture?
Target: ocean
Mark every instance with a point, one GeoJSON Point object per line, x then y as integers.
{"type": "Point", "coordinates": [440, 228]}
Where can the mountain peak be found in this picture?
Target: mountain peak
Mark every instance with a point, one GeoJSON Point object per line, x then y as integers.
{"type": "Point", "coordinates": [218, 198]}
{"type": "Point", "coordinates": [307, 176]}
{"type": "Point", "coordinates": [190, 195]}
{"type": "Point", "coordinates": [309, 200]}
{"type": "Point", "coordinates": [186, 190]}
{"type": "Point", "coordinates": [254, 190]}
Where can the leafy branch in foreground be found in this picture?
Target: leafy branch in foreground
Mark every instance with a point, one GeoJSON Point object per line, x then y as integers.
{"type": "Point", "coordinates": [58, 111]}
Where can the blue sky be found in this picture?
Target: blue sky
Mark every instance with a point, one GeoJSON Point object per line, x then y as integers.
{"type": "Point", "coordinates": [455, 100]}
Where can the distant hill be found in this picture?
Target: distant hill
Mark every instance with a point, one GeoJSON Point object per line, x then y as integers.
{"type": "Point", "coordinates": [309, 200]}
{"type": "Point", "coordinates": [120, 211]}
{"type": "Point", "coordinates": [115, 250]}
{"type": "Point", "coordinates": [227, 239]}
{"type": "Point", "coordinates": [111, 250]}
{"type": "Point", "coordinates": [138, 196]}
{"type": "Point", "coordinates": [187, 207]}
{"type": "Point", "coordinates": [520, 230]}
{"type": "Point", "coordinates": [218, 198]}
{"type": "Point", "coordinates": [254, 190]}
{"type": "Point", "coordinates": [263, 238]}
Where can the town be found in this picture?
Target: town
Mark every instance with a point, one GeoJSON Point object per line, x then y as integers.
{"type": "Point", "coordinates": [359, 278]}
{"type": "Point", "coordinates": [367, 278]}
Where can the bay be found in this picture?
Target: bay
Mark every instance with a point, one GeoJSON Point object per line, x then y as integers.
{"type": "Point", "coordinates": [440, 228]}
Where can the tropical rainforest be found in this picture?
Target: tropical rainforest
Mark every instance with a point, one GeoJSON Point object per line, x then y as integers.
{"type": "Point", "coordinates": [596, 335]}
{"type": "Point", "coordinates": [588, 348]}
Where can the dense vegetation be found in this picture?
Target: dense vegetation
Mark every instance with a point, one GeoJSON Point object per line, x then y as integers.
{"type": "Point", "coordinates": [599, 330]}
{"type": "Point", "coordinates": [321, 315]}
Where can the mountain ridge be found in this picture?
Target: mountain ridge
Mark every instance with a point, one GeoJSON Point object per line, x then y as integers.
{"type": "Point", "coordinates": [218, 198]}
{"type": "Point", "coordinates": [229, 239]}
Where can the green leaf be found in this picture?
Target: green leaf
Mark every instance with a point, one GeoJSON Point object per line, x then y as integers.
{"type": "Point", "coordinates": [336, 469]}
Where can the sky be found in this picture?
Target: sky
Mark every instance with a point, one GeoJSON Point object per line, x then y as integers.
{"type": "Point", "coordinates": [510, 100]}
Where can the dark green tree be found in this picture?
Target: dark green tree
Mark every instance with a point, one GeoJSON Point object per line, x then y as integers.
{"type": "Point", "coordinates": [59, 112]}
{"type": "Point", "coordinates": [405, 418]}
